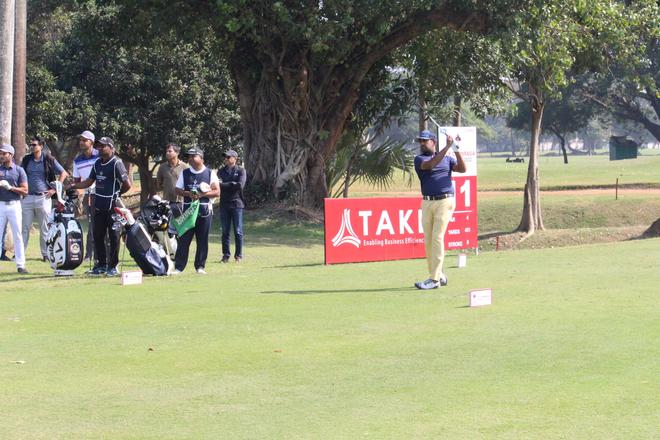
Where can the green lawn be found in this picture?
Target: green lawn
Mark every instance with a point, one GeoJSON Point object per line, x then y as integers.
{"type": "Point", "coordinates": [282, 346]}
{"type": "Point", "coordinates": [494, 173]}
{"type": "Point", "coordinates": [581, 171]}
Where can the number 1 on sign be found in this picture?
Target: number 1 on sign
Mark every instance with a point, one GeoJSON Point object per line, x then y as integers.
{"type": "Point", "coordinates": [465, 189]}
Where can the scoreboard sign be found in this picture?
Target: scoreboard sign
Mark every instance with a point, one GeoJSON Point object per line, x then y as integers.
{"type": "Point", "coordinates": [378, 229]}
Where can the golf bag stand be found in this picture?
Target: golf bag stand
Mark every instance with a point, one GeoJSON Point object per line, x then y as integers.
{"type": "Point", "coordinates": [64, 242]}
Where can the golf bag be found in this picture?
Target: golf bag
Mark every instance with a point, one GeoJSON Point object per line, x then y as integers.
{"type": "Point", "coordinates": [156, 215]}
{"type": "Point", "coordinates": [65, 238]}
{"type": "Point", "coordinates": [150, 256]}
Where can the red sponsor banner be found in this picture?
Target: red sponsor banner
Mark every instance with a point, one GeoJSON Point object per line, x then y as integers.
{"type": "Point", "coordinates": [379, 229]}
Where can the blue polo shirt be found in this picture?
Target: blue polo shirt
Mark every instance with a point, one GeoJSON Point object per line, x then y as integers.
{"type": "Point", "coordinates": [15, 175]}
{"type": "Point", "coordinates": [436, 181]}
{"type": "Point", "coordinates": [36, 175]}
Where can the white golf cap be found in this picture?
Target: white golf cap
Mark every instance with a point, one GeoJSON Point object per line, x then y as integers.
{"type": "Point", "coordinates": [7, 149]}
{"type": "Point", "coordinates": [87, 135]}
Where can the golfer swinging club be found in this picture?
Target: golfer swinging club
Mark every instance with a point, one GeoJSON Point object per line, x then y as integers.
{"type": "Point", "coordinates": [434, 171]}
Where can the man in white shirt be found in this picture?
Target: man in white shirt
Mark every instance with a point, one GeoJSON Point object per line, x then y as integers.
{"type": "Point", "coordinates": [82, 166]}
{"type": "Point", "coordinates": [196, 183]}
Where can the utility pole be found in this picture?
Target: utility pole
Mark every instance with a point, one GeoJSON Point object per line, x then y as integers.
{"type": "Point", "coordinates": [18, 112]}
{"type": "Point", "coordinates": [6, 67]}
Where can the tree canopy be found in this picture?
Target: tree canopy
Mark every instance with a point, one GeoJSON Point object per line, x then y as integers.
{"type": "Point", "coordinates": [141, 84]}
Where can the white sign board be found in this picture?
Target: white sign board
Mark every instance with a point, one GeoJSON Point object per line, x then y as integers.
{"type": "Point", "coordinates": [132, 277]}
{"type": "Point", "coordinates": [480, 297]}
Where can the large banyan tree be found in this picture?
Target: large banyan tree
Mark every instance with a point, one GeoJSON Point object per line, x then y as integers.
{"type": "Point", "coordinates": [299, 66]}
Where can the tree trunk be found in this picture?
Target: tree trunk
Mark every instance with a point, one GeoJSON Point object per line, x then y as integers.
{"type": "Point", "coordinates": [532, 218]}
{"type": "Point", "coordinates": [147, 187]}
{"type": "Point", "coordinates": [282, 136]}
{"type": "Point", "coordinates": [458, 101]}
{"type": "Point", "coordinates": [562, 143]}
{"type": "Point", "coordinates": [294, 109]}
{"type": "Point", "coordinates": [422, 117]}
{"type": "Point", "coordinates": [6, 67]}
{"type": "Point", "coordinates": [347, 182]}
{"type": "Point", "coordinates": [513, 144]}
{"type": "Point", "coordinates": [18, 111]}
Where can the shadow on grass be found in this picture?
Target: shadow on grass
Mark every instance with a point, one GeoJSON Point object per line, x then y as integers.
{"type": "Point", "coordinates": [11, 277]}
{"type": "Point", "coordinates": [322, 291]}
{"type": "Point", "coordinates": [289, 266]}
{"type": "Point", "coordinates": [494, 234]}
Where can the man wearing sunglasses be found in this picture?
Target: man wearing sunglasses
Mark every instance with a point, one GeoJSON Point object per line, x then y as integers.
{"type": "Point", "coordinates": [41, 169]}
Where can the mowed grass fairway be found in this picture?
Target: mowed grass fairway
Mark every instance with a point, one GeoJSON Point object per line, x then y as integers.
{"type": "Point", "coordinates": [494, 173]}
{"type": "Point", "coordinates": [282, 346]}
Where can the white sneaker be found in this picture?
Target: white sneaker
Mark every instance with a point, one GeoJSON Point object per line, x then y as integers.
{"type": "Point", "coordinates": [177, 272]}
{"type": "Point", "coordinates": [427, 284]}
{"type": "Point", "coordinates": [201, 271]}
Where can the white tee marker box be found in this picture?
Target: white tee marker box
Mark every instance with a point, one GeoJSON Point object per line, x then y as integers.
{"type": "Point", "coordinates": [480, 297]}
{"type": "Point", "coordinates": [462, 260]}
{"type": "Point", "coordinates": [131, 277]}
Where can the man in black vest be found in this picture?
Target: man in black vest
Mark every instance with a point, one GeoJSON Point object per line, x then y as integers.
{"type": "Point", "coordinates": [41, 169]}
{"type": "Point", "coordinates": [111, 180]}
{"type": "Point", "coordinates": [196, 183]}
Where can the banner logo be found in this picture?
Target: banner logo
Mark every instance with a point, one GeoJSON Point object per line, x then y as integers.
{"type": "Point", "coordinates": [346, 234]}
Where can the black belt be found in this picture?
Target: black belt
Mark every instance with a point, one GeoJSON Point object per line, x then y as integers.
{"type": "Point", "coordinates": [438, 197]}
{"type": "Point", "coordinates": [38, 194]}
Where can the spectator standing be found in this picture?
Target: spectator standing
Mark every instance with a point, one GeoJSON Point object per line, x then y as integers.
{"type": "Point", "coordinates": [168, 174]}
{"type": "Point", "coordinates": [434, 171]}
{"type": "Point", "coordinates": [82, 166]}
{"type": "Point", "coordinates": [13, 186]}
{"type": "Point", "coordinates": [232, 181]}
{"type": "Point", "coordinates": [196, 183]}
{"type": "Point", "coordinates": [111, 180]}
{"type": "Point", "coordinates": [41, 169]}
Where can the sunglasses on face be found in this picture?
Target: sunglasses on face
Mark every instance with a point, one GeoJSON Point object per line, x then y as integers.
{"type": "Point", "coordinates": [34, 145]}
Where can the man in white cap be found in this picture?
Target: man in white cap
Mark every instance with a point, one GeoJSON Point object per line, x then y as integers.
{"type": "Point", "coordinates": [13, 186]}
{"type": "Point", "coordinates": [82, 166]}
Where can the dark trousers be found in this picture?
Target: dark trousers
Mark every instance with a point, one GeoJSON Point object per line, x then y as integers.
{"type": "Point", "coordinates": [201, 233]}
{"type": "Point", "coordinates": [88, 199]}
{"type": "Point", "coordinates": [103, 225]}
{"type": "Point", "coordinates": [229, 217]}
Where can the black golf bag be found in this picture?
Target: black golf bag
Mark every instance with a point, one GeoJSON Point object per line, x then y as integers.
{"type": "Point", "coordinates": [65, 238]}
{"type": "Point", "coordinates": [150, 256]}
{"type": "Point", "coordinates": [156, 215]}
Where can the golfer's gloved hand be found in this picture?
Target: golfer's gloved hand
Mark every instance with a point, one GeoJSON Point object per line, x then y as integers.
{"type": "Point", "coordinates": [455, 146]}
{"type": "Point", "coordinates": [4, 184]}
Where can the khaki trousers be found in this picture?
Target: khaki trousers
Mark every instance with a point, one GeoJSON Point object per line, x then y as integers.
{"type": "Point", "coordinates": [436, 215]}
{"type": "Point", "coordinates": [38, 206]}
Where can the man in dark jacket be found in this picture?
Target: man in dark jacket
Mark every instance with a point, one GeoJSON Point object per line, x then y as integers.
{"type": "Point", "coordinates": [232, 181]}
